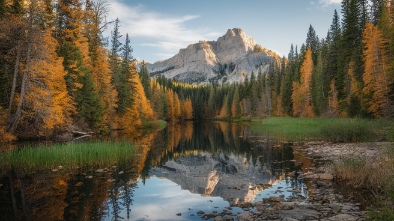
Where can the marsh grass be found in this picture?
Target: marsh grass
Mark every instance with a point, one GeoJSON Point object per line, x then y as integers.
{"type": "Point", "coordinates": [323, 129]}
{"type": "Point", "coordinates": [67, 156]}
{"type": "Point", "coordinates": [373, 174]}
{"type": "Point", "coordinates": [293, 129]}
{"type": "Point", "coordinates": [349, 130]}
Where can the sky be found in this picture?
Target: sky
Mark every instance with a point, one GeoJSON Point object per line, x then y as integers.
{"type": "Point", "coordinates": [159, 28]}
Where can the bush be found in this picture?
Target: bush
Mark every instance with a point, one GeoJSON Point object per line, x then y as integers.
{"type": "Point", "coordinates": [354, 130]}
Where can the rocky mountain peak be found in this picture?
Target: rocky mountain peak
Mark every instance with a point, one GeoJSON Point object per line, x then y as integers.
{"type": "Point", "coordinates": [229, 59]}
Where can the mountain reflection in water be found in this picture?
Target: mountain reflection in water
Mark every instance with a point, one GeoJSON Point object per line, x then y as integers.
{"type": "Point", "coordinates": [177, 172]}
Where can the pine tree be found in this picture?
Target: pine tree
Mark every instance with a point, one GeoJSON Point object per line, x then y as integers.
{"type": "Point", "coordinates": [89, 106]}
{"type": "Point", "coordinates": [122, 74]}
{"type": "Point", "coordinates": [312, 42]}
{"type": "Point", "coordinates": [94, 21]}
{"type": "Point", "coordinates": [377, 8]}
{"type": "Point", "coordinates": [334, 47]}
{"type": "Point", "coordinates": [74, 48]}
{"type": "Point", "coordinates": [353, 22]}
{"type": "Point", "coordinates": [318, 96]}
{"type": "Point", "coordinates": [144, 75]}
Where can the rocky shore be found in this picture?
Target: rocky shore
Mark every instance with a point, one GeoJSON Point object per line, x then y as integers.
{"type": "Point", "coordinates": [324, 202]}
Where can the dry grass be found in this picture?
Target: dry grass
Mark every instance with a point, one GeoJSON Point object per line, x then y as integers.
{"type": "Point", "coordinates": [375, 174]}
{"type": "Point", "coordinates": [372, 174]}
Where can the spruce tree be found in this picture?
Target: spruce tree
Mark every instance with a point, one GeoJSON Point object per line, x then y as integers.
{"type": "Point", "coordinates": [122, 78]}
{"type": "Point", "coordinates": [89, 107]}
{"type": "Point", "coordinates": [334, 44]}
{"type": "Point", "coordinates": [312, 42]}
{"type": "Point", "coordinates": [144, 76]}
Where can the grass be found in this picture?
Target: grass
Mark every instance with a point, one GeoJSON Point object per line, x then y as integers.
{"type": "Point", "coordinates": [376, 175]}
{"type": "Point", "coordinates": [68, 156]}
{"type": "Point", "coordinates": [326, 129]}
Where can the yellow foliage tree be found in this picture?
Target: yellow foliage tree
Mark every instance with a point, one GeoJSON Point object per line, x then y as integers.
{"type": "Point", "coordinates": [301, 97]}
{"type": "Point", "coordinates": [47, 106]}
{"type": "Point", "coordinates": [5, 137]}
{"type": "Point", "coordinates": [187, 109]}
{"type": "Point", "coordinates": [376, 76]}
{"type": "Point", "coordinates": [140, 101]}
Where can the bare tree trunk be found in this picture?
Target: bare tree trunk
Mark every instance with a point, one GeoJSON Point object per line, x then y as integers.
{"type": "Point", "coordinates": [23, 88]}
{"type": "Point", "coordinates": [16, 71]}
{"type": "Point", "coordinates": [27, 69]}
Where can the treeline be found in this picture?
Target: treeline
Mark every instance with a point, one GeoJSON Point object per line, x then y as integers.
{"type": "Point", "coordinates": [59, 74]}
{"type": "Point", "coordinates": [349, 73]}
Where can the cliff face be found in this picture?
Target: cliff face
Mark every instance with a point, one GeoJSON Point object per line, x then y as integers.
{"type": "Point", "coordinates": [229, 59]}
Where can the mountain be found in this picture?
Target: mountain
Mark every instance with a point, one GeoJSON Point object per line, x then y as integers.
{"type": "Point", "coordinates": [228, 176]}
{"type": "Point", "coordinates": [229, 59]}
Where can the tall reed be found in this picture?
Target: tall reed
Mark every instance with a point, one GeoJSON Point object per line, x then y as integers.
{"type": "Point", "coordinates": [68, 155]}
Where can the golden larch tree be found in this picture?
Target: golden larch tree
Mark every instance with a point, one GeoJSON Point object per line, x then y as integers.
{"type": "Point", "coordinates": [376, 76]}
{"type": "Point", "coordinates": [301, 96]}
{"type": "Point", "coordinates": [139, 97]}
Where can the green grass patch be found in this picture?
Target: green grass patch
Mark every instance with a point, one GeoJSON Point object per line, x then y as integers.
{"type": "Point", "coordinates": [68, 156]}
{"type": "Point", "coordinates": [327, 129]}
{"type": "Point", "coordinates": [292, 129]}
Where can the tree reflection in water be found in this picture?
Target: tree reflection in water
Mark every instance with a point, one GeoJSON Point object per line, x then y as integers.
{"type": "Point", "coordinates": [206, 158]}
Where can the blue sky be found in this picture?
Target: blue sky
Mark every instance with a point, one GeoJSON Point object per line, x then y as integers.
{"type": "Point", "coordinates": [159, 28]}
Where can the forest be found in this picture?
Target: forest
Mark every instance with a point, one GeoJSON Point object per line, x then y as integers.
{"type": "Point", "coordinates": [58, 73]}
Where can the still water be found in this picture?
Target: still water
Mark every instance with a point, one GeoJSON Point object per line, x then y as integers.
{"type": "Point", "coordinates": [178, 173]}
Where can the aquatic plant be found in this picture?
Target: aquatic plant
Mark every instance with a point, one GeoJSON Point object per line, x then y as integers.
{"type": "Point", "coordinates": [68, 156]}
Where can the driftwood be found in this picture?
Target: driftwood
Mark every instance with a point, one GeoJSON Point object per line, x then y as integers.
{"type": "Point", "coordinates": [81, 134]}
{"type": "Point", "coordinates": [81, 137]}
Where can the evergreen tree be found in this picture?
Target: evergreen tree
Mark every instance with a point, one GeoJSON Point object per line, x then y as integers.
{"type": "Point", "coordinates": [318, 97]}
{"type": "Point", "coordinates": [144, 75]}
{"type": "Point", "coordinates": [377, 8]}
{"type": "Point", "coordinates": [286, 91]}
{"type": "Point", "coordinates": [73, 47]}
{"type": "Point", "coordinates": [122, 77]}
{"type": "Point", "coordinates": [334, 47]}
{"type": "Point", "coordinates": [312, 42]}
{"type": "Point", "coordinates": [89, 106]}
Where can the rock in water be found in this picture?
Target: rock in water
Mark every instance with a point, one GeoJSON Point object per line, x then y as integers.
{"type": "Point", "coordinates": [230, 59]}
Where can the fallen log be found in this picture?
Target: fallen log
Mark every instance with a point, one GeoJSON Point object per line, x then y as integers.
{"type": "Point", "coordinates": [81, 132]}
{"type": "Point", "coordinates": [81, 137]}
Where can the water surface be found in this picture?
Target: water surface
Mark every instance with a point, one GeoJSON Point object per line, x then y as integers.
{"type": "Point", "coordinates": [178, 173]}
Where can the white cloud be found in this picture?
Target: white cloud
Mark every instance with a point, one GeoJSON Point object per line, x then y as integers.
{"type": "Point", "coordinates": [330, 2]}
{"type": "Point", "coordinates": [167, 33]}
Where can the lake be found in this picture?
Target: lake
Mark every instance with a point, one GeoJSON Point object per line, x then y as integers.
{"type": "Point", "coordinates": [180, 173]}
